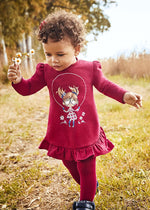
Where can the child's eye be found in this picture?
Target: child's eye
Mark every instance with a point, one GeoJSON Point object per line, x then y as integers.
{"type": "Point", "coordinates": [48, 54]}
{"type": "Point", "coordinates": [61, 55]}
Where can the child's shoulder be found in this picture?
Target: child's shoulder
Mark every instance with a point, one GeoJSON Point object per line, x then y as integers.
{"type": "Point", "coordinates": [90, 63]}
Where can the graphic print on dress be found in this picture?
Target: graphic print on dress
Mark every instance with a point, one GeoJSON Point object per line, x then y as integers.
{"type": "Point", "coordinates": [69, 92]}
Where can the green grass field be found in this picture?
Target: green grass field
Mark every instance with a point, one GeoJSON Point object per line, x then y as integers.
{"type": "Point", "coordinates": [31, 180]}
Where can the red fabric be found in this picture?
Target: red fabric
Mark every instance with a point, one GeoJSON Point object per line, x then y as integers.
{"type": "Point", "coordinates": [87, 171]}
{"type": "Point", "coordinates": [72, 167]}
{"type": "Point", "coordinates": [84, 173]}
{"type": "Point", "coordinates": [79, 137]}
{"type": "Point", "coordinates": [101, 147]}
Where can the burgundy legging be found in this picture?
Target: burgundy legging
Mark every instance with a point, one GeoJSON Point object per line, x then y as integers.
{"type": "Point", "coordinates": [84, 173]}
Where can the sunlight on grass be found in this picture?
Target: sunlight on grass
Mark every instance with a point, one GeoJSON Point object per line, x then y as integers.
{"type": "Point", "coordinates": [17, 186]}
{"type": "Point", "coordinates": [123, 174]}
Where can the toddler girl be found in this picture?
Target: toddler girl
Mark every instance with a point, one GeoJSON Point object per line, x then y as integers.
{"type": "Point", "coordinates": [73, 134]}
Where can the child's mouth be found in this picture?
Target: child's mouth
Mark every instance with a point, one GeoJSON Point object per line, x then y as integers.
{"type": "Point", "coordinates": [56, 66]}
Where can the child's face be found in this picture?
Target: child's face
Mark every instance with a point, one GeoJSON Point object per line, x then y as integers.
{"type": "Point", "coordinates": [60, 55]}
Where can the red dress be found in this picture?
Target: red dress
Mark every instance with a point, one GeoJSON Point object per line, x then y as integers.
{"type": "Point", "coordinates": [73, 131]}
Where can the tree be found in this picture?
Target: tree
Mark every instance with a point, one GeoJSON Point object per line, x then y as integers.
{"type": "Point", "coordinates": [91, 11]}
{"type": "Point", "coordinates": [2, 42]}
{"type": "Point", "coordinates": [19, 16]}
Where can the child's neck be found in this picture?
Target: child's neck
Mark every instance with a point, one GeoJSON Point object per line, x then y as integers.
{"type": "Point", "coordinates": [75, 60]}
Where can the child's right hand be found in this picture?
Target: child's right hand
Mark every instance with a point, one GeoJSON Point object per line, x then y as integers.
{"type": "Point", "coordinates": [14, 74]}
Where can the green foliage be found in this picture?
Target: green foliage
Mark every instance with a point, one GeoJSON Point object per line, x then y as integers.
{"type": "Point", "coordinates": [18, 16]}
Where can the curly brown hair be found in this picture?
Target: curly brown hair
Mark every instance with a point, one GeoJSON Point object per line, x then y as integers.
{"type": "Point", "coordinates": [61, 24]}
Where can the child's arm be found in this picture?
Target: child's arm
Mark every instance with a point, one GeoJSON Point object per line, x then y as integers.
{"type": "Point", "coordinates": [29, 86]}
{"type": "Point", "coordinates": [133, 99]}
{"type": "Point", "coordinates": [114, 91]}
{"type": "Point", "coordinates": [105, 86]}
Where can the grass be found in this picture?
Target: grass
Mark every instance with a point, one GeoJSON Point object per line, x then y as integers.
{"type": "Point", "coordinates": [31, 180]}
{"type": "Point", "coordinates": [135, 66]}
{"type": "Point", "coordinates": [124, 173]}
{"type": "Point", "coordinates": [18, 185]}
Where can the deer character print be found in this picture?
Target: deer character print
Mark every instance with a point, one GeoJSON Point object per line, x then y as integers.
{"type": "Point", "coordinates": [70, 99]}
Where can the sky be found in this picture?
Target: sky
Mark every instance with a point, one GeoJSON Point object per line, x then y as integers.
{"type": "Point", "coordinates": [129, 32]}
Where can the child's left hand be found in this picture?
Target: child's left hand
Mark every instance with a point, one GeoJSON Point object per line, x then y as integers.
{"type": "Point", "coordinates": [133, 99]}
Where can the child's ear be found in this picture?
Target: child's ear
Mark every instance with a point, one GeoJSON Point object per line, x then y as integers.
{"type": "Point", "coordinates": [77, 50]}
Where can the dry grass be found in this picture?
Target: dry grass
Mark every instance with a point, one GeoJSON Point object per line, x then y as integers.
{"type": "Point", "coordinates": [28, 178]}
{"type": "Point", "coordinates": [135, 66]}
{"type": "Point", "coordinates": [31, 180]}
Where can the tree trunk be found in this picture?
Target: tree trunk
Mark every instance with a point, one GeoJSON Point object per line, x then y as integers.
{"type": "Point", "coordinates": [5, 57]}
{"type": "Point", "coordinates": [24, 50]}
{"type": "Point", "coordinates": [29, 47]}
{"type": "Point", "coordinates": [5, 61]}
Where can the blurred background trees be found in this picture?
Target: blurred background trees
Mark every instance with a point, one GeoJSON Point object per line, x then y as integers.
{"type": "Point", "coordinates": [19, 18]}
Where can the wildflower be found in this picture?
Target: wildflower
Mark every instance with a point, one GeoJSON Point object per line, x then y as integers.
{"type": "Point", "coordinates": [13, 59]}
{"type": "Point", "coordinates": [32, 52]}
{"type": "Point", "coordinates": [18, 55]}
{"type": "Point", "coordinates": [17, 61]}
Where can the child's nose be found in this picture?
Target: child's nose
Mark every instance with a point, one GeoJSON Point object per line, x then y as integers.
{"type": "Point", "coordinates": [54, 59]}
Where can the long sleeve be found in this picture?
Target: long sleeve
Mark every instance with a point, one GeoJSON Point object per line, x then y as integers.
{"type": "Point", "coordinates": [32, 85]}
{"type": "Point", "coordinates": [105, 86]}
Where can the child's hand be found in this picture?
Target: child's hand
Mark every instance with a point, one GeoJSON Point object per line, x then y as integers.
{"type": "Point", "coordinates": [133, 99]}
{"type": "Point", "coordinates": [14, 74]}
